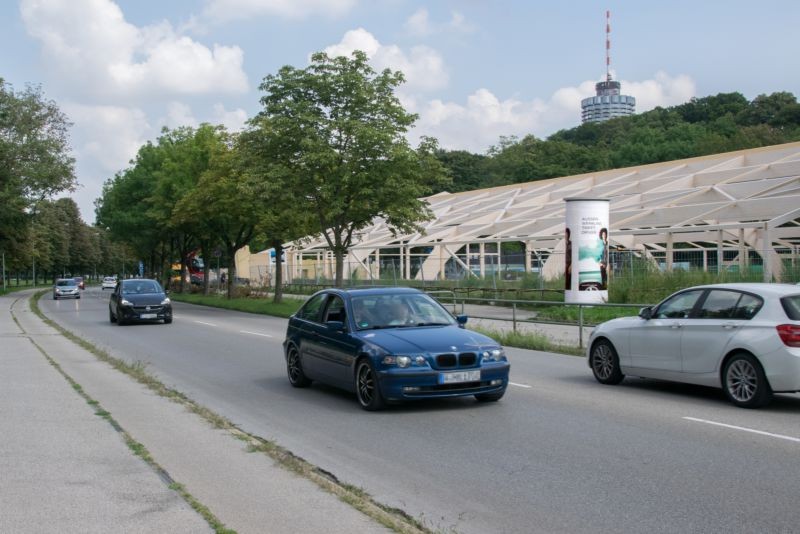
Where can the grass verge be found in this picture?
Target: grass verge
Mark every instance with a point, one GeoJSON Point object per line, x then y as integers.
{"type": "Point", "coordinates": [528, 340]}
{"type": "Point", "coordinates": [591, 315]}
{"type": "Point", "coordinates": [250, 305]}
{"type": "Point", "coordinates": [392, 518]}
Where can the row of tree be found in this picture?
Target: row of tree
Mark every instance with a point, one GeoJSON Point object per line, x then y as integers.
{"type": "Point", "coordinates": [326, 155]}
{"type": "Point", "coordinates": [710, 125]}
{"type": "Point", "coordinates": [35, 165]}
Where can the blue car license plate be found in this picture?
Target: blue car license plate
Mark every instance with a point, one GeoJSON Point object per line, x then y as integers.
{"type": "Point", "coordinates": [456, 377]}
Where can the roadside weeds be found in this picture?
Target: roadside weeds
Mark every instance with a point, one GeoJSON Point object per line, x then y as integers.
{"type": "Point", "coordinates": [392, 518]}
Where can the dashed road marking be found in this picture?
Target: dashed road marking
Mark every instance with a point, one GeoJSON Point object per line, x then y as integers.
{"type": "Point", "coordinates": [526, 386]}
{"type": "Point", "coordinates": [207, 324]}
{"type": "Point", "coordinates": [744, 429]}
{"type": "Point", "coordinates": [254, 333]}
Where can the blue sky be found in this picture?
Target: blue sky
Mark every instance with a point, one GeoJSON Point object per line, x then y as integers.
{"type": "Point", "coordinates": [476, 70]}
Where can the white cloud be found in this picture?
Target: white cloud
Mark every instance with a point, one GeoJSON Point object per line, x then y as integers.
{"type": "Point", "coordinates": [479, 123]}
{"type": "Point", "coordinates": [109, 135]}
{"type": "Point", "coordinates": [423, 66]}
{"type": "Point", "coordinates": [181, 114]}
{"type": "Point", "coordinates": [104, 140]}
{"type": "Point", "coordinates": [232, 120]}
{"type": "Point", "coordinates": [227, 10]}
{"type": "Point", "coordinates": [420, 23]}
{"type": "Point", "coordinates": [92, 48]}
{"type": "Point", "coordinates": [662, 91]}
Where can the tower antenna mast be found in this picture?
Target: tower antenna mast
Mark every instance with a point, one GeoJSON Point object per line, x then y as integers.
{"type": "Point", "coordinates": [608, 46]}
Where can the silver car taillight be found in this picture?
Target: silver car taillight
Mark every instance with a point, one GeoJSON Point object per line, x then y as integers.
{"type": "Point", "coordinates": [790, 334]}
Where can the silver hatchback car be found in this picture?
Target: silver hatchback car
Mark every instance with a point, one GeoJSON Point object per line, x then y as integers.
{"type": "Point", "coordinates": [744, 338]}
{"type": "Point", "coordinates": [66, 288]}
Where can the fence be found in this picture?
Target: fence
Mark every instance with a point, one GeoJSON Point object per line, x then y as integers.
{"type": "Point", "coordinates": [424, 266]}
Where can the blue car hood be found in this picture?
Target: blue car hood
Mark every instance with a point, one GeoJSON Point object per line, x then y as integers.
{"type": "Point", "coordinates": [434, 339]}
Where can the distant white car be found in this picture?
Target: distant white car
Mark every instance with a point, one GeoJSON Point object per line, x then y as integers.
{"type": "Point", "coordinates": [744, 338]}
{"type": "Point", "coordinates": [109, 282]}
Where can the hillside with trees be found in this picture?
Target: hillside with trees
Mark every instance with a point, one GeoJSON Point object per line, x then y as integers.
{"type": "Point", "coordinates": [709, 125]}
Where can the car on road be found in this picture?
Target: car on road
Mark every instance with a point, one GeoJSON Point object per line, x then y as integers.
{"type": "Point", "coordinates": [137, 300]}
{"type": "Point", "coordinates": [391, 344]}
{"type": "Point", "coordinates": [743, 338]}
{"type": "Point", "coordinates": [66, 288]}
{"type": "Point", "coordinates": [109, 282]}
{"type": "Point", "coordinates": [80, 281]}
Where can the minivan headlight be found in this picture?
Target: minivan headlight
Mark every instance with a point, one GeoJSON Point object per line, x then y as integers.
{"type": "Point", "coordinates": [125, 302]}
{"type": "Point", "coordinates": [165, 301]}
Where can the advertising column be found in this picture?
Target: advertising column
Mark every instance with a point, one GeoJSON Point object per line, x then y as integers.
{"type": "Point", "coordinates": [586, 254]}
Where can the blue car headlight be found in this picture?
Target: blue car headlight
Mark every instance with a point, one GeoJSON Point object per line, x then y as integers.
{"type": "Point", "coordinates": [404, 361]}
{"type": "Point", "coordinates": [494, 355]}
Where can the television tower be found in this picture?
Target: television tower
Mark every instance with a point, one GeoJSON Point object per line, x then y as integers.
{"type": "Point", "coordinates": [608, 103]}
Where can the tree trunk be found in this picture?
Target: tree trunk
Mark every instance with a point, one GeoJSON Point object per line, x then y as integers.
{"type": "Point", "coordinates": [278, 296]}
{"type": "Point", "coordinates": [231, 270]}
{"type": "Point", "coordinates": [205, 248]}
{"type": "Point", "coordinates": [339, 254]}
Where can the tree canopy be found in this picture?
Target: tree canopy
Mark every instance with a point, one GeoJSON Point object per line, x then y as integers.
{"type": "Point", "coordinates": [35, 160]}
{"type": "Point", "coordinates": [336, 139]}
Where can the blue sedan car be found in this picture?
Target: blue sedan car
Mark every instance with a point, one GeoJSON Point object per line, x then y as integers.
{"type": "Point", "coordinates": [391, 344]}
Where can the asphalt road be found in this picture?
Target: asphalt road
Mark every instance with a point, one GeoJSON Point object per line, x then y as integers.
{"type": "Point", "coordinates": [560, 453]}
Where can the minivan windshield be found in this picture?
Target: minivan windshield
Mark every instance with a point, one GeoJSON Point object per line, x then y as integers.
{"type": "Point", "coordinates": [62, 283]}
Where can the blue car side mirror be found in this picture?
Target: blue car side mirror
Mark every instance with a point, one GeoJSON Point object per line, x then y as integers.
{"type": "Point", "coordinates": [462, 320]}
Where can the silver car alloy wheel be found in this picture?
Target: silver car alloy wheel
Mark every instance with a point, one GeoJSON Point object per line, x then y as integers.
{"type": "Point", "coordinates": [602, 361]}
{"type": "Point", "coordinates": [742, 380]}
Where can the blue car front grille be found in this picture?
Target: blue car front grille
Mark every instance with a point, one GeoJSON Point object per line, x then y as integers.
{"type": "Point", "coordinates": [453, 361]}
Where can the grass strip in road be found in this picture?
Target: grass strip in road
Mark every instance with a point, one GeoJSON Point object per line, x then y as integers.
{"type": "Point", "coordinates": [530, 341]}
{"type": "Point", "coordinates": [250, 305]}
{"type": "Point", "coordinates": [392, 518]}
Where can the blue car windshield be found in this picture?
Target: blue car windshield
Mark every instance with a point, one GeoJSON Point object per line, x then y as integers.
{"type": "Point", "coordinates": [140, 287]}
{"type": "Point", "coordinates": [397, 311]}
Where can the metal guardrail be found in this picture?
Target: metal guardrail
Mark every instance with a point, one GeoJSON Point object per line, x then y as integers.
{"type": "Point", "coordinates": [514, 306]}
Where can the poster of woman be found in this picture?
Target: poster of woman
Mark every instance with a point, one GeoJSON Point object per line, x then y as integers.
{"type": "Point", "coordinates": [587, 221]}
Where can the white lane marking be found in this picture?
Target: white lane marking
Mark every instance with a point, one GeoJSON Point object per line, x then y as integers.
{"type": "Point", "coordinates": [254, 333]}
{"type": "Point", "coordinates": [207, 324]}
{"type": "Point", "coordinates": [734, 427]}
{"type": "Point", "coordinates": [520, 385]}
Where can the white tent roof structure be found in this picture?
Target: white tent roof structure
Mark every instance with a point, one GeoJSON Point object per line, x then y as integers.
{"type": "Point", "coordinates": [749, 198]}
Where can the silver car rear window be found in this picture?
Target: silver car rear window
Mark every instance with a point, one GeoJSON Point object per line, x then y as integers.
{"type": "Point", "coordinates": [791, 305]}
